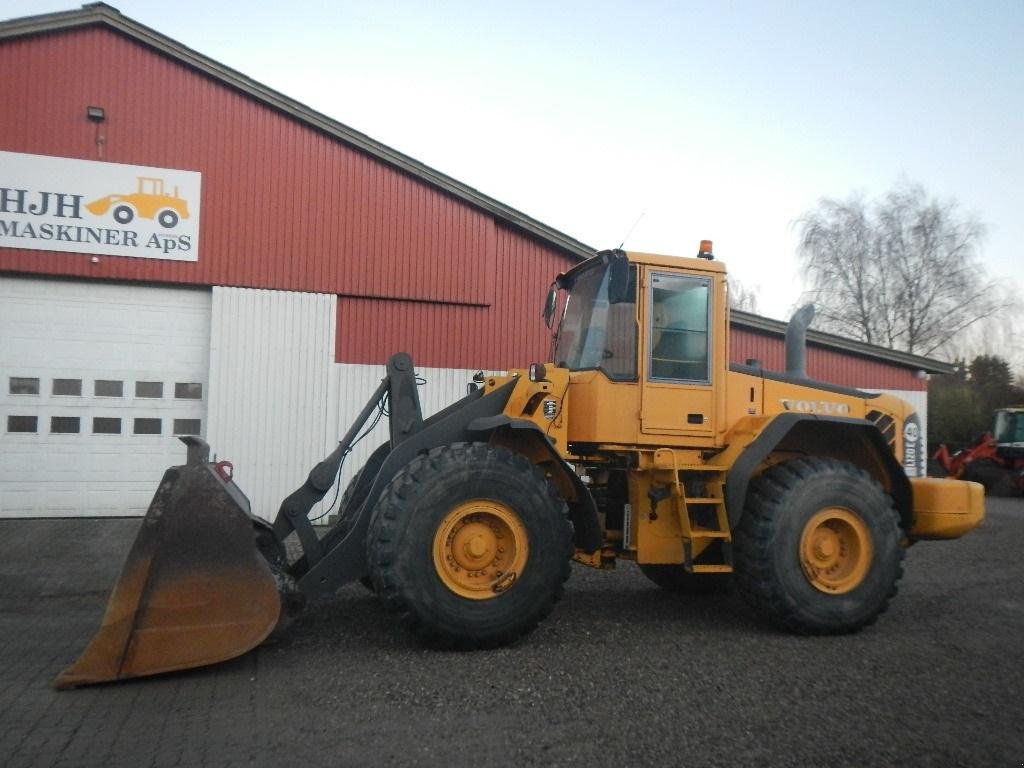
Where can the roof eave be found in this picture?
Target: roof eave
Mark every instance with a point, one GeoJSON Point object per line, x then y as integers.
{"type": "Point", "coordinates": [850, 346]}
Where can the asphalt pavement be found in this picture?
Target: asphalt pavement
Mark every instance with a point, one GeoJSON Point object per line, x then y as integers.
{"type": "Point", "coordinates": [622, 673]}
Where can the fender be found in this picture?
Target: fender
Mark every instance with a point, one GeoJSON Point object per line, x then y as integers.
{"type": "Point", "coordinates": [856, 440]}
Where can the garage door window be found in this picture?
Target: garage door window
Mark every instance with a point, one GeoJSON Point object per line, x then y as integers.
{"type": "Point", "coordinates": [22, 423]}
{"type": "Point", "coordinates": [146, 427]}
{"type": "Point", "coordinates": [71, 387]}
{"type": "Point", "coordinates": [149, 389]}
{"type": "Point", "coordinates": [188, 391]}
{"type": "Point", "coordinates": [108, 388]}
{"type": "Point", "coordinates": [65, 425]}
{"type": "Point", "coordinates": [21, 385]}
{"type": "Point", "coordinates": [187, 426]}
{"type": "Point", "coordinates": [104, 425]}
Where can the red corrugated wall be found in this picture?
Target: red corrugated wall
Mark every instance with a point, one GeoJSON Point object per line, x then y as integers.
{"type": "Point", "coordinates": [509, 333]}
{"type": "Point", "coordinates": [824, 364]}
{"type": "Point", "coordinates": [283, 205]}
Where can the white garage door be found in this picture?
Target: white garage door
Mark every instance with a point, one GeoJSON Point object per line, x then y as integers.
{"type": "Point", "coordinates": [97, 379]}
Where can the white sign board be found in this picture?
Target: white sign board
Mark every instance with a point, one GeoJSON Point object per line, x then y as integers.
{"type": "Point", "coordinates": [84, 206]}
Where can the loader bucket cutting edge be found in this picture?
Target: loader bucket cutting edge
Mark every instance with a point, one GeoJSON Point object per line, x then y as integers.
{"type": "Point", "coordinates": [194, 589]}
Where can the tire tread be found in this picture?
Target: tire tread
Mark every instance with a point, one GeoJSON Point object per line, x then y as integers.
{"type": "Point", "coordinates": [754, 543]}
{"type": "Point", "coordinates": [394, 510]}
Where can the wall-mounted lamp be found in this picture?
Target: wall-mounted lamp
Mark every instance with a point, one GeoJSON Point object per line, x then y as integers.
{"type": "Point", "coordinates": [97, 116]}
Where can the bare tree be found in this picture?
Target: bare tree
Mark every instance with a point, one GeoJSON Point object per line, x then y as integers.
{"type": "Point", "coordinates": [741, 296]}
{"type": "Point", "coordinates": [902, 271]}
{"type": "Point", "coordinates": [1001, 334]}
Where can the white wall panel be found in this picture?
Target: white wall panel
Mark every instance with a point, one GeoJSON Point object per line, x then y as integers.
{"type": "Point", "coordinates": [271, 353]}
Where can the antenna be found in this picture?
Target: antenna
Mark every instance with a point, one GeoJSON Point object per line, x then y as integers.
{"type": "Point", "coordinates": [642, 213]}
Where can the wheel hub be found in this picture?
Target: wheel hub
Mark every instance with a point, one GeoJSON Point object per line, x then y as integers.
{"type": "Point", "coordinates": [835, 550]}
{"type": "Point", "coordinates": [826, 546]}
{"type": "Point", "coordinates": [476, 547]}
{"type": "Point", "coordinates": [480, 549]}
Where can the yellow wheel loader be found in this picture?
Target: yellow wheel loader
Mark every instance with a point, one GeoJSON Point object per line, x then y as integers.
{"type": "Point", "coordinates": [638, 440]}
{"type": "Point", "coordinates": [150, 201]}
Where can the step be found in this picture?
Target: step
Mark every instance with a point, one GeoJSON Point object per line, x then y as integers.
{"type": "Point", "coordinates": [711, 569]}
{"type": "Point", "coordinates": [708, 533]}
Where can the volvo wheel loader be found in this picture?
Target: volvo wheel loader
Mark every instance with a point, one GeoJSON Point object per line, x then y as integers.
{"type": "Point", "coordinates": [637, 440]}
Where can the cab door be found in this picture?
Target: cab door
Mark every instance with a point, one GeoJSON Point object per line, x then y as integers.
{"type": "Point", "coordinates": [680, 354]}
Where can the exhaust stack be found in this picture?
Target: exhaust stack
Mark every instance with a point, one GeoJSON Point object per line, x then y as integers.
{"type": "Point", "coordinates": [796, 341]}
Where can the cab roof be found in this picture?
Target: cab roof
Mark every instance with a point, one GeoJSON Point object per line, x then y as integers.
{"type": "Point", "coordinates": [676, 262]}
{"type": "Point", "coordinates": [646, 259]}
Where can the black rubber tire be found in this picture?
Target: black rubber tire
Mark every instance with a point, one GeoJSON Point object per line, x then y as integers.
{"type": "Point", "coordinates": [675, 578]}
{"type": "Point", "coordinates": [406, 519]}
{"type": "Point", "coordinates": [766, 544]}
{"type": "Point", "coordinates": [995, 478]}
{"type": "Point", "coordinates": [346, 497]}
{"type": "Point", "coordinates": [167, 219]}
{"type": "Point", "coordinates": [123, 214]}
{"type": "Point", "coordinates": [346, 500]}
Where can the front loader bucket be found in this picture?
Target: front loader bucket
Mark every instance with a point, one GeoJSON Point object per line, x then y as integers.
{"type": "Point", "coordinates": [101, 206]}
{"type": "Point", "coordinates": [194, 590]}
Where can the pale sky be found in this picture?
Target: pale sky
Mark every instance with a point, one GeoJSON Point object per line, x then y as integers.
{"type": "Point", "coordinates": [710, 120]}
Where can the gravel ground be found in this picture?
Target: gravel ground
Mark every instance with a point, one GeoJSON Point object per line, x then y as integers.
{"type": "Point", "coordinates": [622, 673]}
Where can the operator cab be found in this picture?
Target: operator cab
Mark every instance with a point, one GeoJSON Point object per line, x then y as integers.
{"type": "Point", "coordinates": [652, 326]}
{"type": "Point", "coordinates": [1008, 432]}
{"type": "Point", "coordinates": [599, 325]}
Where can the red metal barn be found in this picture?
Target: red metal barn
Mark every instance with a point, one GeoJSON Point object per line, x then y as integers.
{"type": "Point", "coordinates": [184, 250]}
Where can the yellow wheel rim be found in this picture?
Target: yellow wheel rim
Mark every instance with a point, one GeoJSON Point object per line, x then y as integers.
{"type": "Point", "coordinates": [480, 549]}
{"type": "Point", "coordinates": [835, 550]}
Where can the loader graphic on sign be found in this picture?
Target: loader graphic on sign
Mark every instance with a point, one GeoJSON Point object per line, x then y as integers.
{"type": "Point", "coordinates": [149, 201]}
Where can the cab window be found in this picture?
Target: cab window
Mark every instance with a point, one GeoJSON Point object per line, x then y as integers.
{"type": "Point", "coordinates": [679, 323]}
{"type": "Point", "coordinates": [596, 333]}
{"type": "Point", "coordinates": [1009, 427]}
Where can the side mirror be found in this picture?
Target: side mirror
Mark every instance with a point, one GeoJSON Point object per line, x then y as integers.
{"type": "Point", "coordinates": [549, 305]}
{"type": "Point", "coordinates": [618, 278]}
